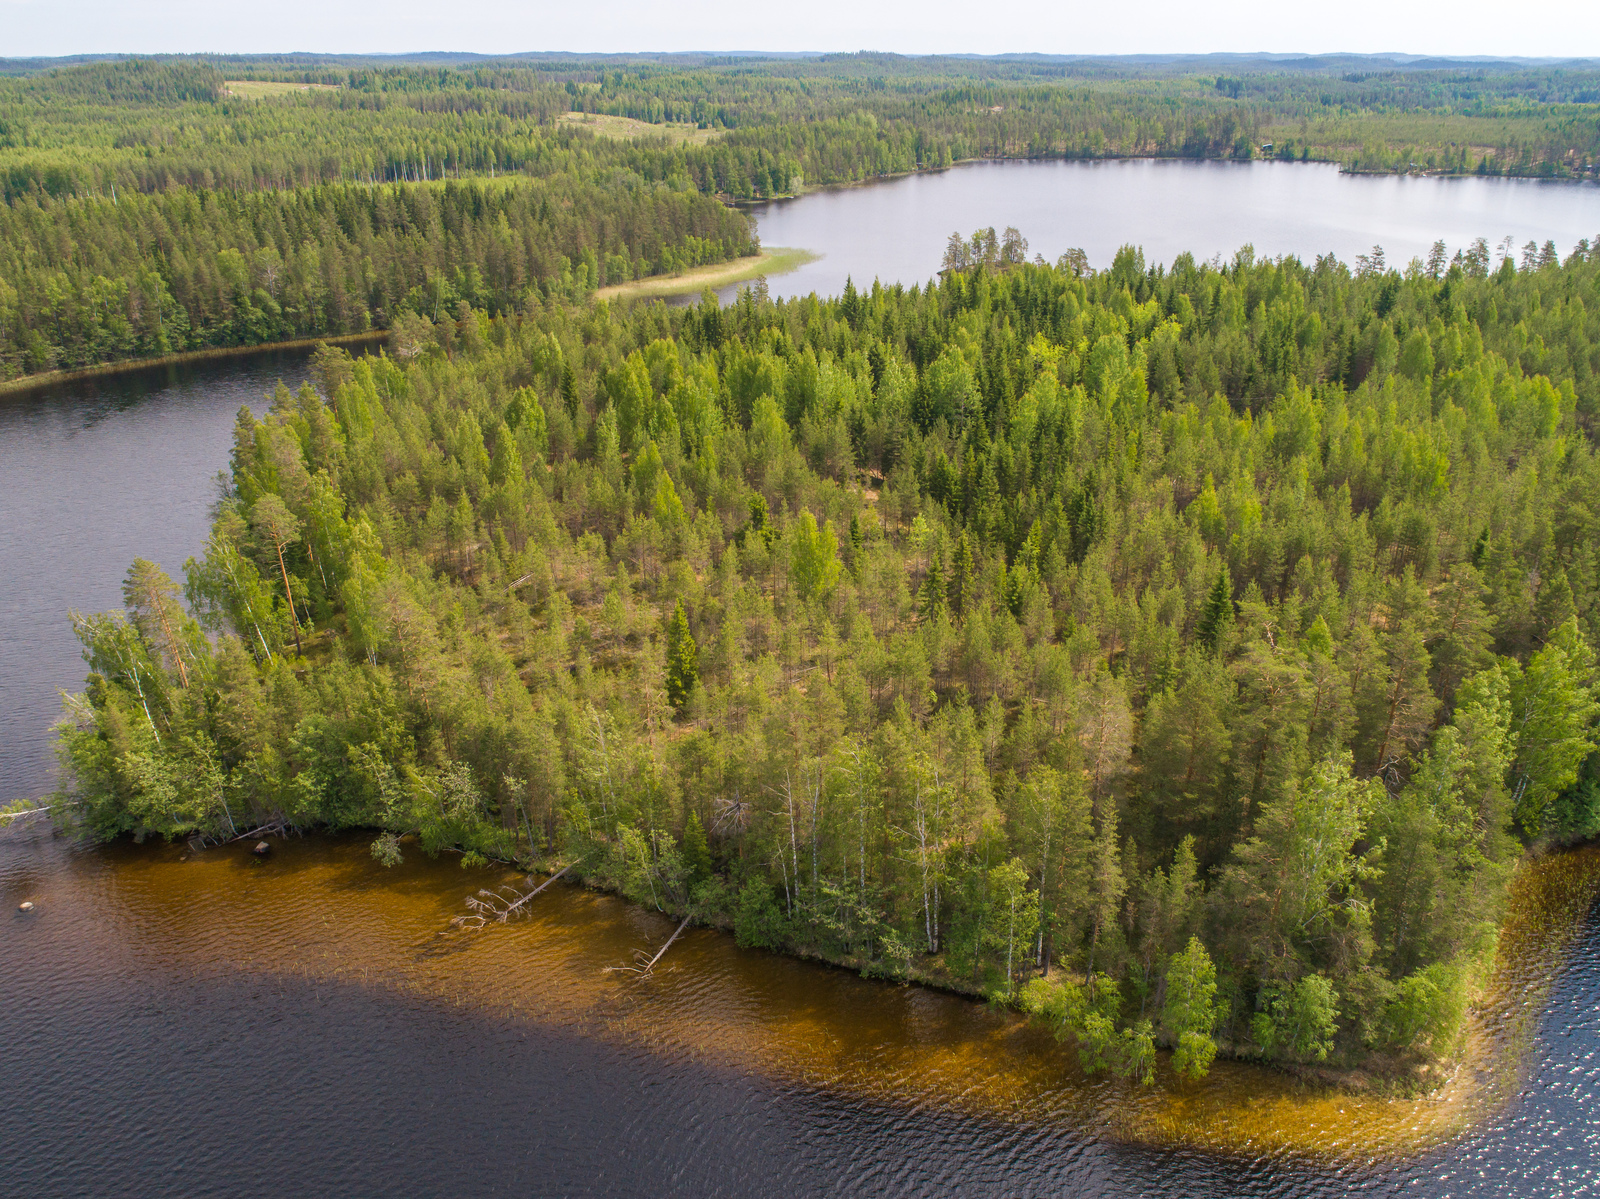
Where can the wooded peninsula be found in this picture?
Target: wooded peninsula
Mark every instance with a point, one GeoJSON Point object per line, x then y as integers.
{"type": "Point", "coordinates": [1184, 653]}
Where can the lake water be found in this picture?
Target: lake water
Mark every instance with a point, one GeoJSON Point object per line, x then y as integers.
{"type": "Point", "coordinates": [214, 1025]}
{"type": "Point", "coordinates": [896, 231]}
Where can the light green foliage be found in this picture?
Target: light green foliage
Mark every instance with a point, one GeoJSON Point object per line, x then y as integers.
{"type": "Point", "coordinates": [1553, 710]}
{"type": "Point", "coordinates": [1016, 913]}
{"type": "Point", "coordinates": [1299, 1021]}
{"type": "Point", "coordinates": [1189, 1014]}
{"type": "Point", "coordinates": [814, 557]}
{"type": "Point", "coordinates": [386, 850]}
{"type": "Point", "coordinates": [1136, 1053]}
{"type": "Point", "coordinates": [1428, 1011]}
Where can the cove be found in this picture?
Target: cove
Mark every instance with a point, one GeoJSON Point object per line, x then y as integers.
{"type": "Point", "coordinates": [93, 473]}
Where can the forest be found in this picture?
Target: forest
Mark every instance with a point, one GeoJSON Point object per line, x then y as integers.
{"type": "Point", "coordinates": [1184, 654]}
{"type": "Point", "coordinates": [152, 208]}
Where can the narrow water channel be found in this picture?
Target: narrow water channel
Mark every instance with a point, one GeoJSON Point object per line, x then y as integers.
{"type": "Point", "coordinates": [93, 474]}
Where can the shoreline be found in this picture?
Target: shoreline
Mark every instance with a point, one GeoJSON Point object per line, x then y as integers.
{"type": "Point", "coordinates": [778, 260]}
{"type": "Point", "coordinates": [812, 189]}
{"type": "Point", "coordinates": [1460, 1081]}
{"type": "Point", "coordinates": [124, 366]}
{"type": "Point", "coordinates": [1248, 1107]}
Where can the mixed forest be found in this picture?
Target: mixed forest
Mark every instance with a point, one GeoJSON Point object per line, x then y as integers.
{"type": "Point", "coordinates": [150, 207]}
{"type": "Point", "coordinates": [1185, 653]}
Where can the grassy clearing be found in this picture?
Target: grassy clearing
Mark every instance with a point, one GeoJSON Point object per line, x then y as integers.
{"type": "Point", "coordinates": [774, 261]}
{"type": "Point", "coordinates": [260, 89]}
{"type": "Point", "coordinates": [628, 129]}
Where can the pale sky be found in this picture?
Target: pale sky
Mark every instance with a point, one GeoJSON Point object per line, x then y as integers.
{"type": "Point", "coordinates": [1532, 28]}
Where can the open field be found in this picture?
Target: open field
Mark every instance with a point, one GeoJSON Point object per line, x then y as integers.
{"type": "Point", "coordinates": [260, 89]}
{"type": "Point", "coordinates": [774, 261]}
{"type": "Point", "coordinates": [626, 128]}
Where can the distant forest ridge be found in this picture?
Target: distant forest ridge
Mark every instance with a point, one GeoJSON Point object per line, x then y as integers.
{"type": "Point", "coordinates": [1153, 63]}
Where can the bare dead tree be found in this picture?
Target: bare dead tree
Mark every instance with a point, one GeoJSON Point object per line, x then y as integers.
{"type": "Point", "coordinates": [496, 905]}
{"type": "Point", "coordinates": [644, 967]}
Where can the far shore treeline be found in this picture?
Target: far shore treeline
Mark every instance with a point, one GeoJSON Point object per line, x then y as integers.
{"type": "Point", "coordinates": [153, 207]}
{"type": "Point", "coordinates": [1186, 654]}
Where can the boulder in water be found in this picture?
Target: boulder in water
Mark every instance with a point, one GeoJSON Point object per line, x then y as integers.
{"type": "Point", "coordinates": [262, 849]}
{"type": "Point", "coordinates": [25, 906]}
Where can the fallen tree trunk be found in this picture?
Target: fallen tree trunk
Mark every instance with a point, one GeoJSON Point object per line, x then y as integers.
{"type": "Point", "coordinates": [539, 888]}
{"type": "Point", "coordinates": [647, 967]}
{"type": "Point", "coordinates": [492, 904]}
{"type": "Point", "coordinates": [662, 951]}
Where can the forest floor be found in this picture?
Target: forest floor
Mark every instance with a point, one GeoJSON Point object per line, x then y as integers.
{"type": "Point", "coordinates": [603, 125]}
{"type": "Point", "coordinates": [260, 89]}
{"type": "Point", "coordinates": [772, 261]}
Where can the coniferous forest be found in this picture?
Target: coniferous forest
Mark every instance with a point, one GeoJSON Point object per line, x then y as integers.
{"type": "Point", "coordinates": [1184, 653]}
{"type": "Point", "coordinates": [162, 206]}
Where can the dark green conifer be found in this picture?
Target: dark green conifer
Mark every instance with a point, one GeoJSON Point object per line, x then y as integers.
{"type": "Point", "coordinates": [683, 669]}
{"type": "Point", "coordinates": [963, 580]}
{"type": "Point", "coordinates": [1217, 614]}
{"type": "Point", "coordinates": [696, 853]}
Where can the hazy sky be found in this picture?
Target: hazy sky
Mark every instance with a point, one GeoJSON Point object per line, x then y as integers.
{"type": "Point", "coordinates": [1532, 27]}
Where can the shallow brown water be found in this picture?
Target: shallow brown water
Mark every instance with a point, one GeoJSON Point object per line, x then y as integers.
{"type": "Point", "coordinates": [188, 1023]}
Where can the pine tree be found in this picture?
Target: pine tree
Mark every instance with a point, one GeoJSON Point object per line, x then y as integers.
{"type": "Point", "coordinates": [683, 670]}
{"type": "Point", "coordinates": [931, 602]}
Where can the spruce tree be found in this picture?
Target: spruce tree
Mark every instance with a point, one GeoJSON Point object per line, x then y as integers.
{"type": "Point", "coordinates": [1217, 613]}
{"type": "Point", "coordinates": [696, 852]}
{"type": "Point", "coordinates": [963, 579]}
{"type": "Point", "coordinates": [683, 670]}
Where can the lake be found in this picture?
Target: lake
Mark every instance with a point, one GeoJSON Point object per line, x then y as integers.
{"type": "Point", "coordinates": [896, 230]}
{"type": "Point", "coordinates": [183, 1024]}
